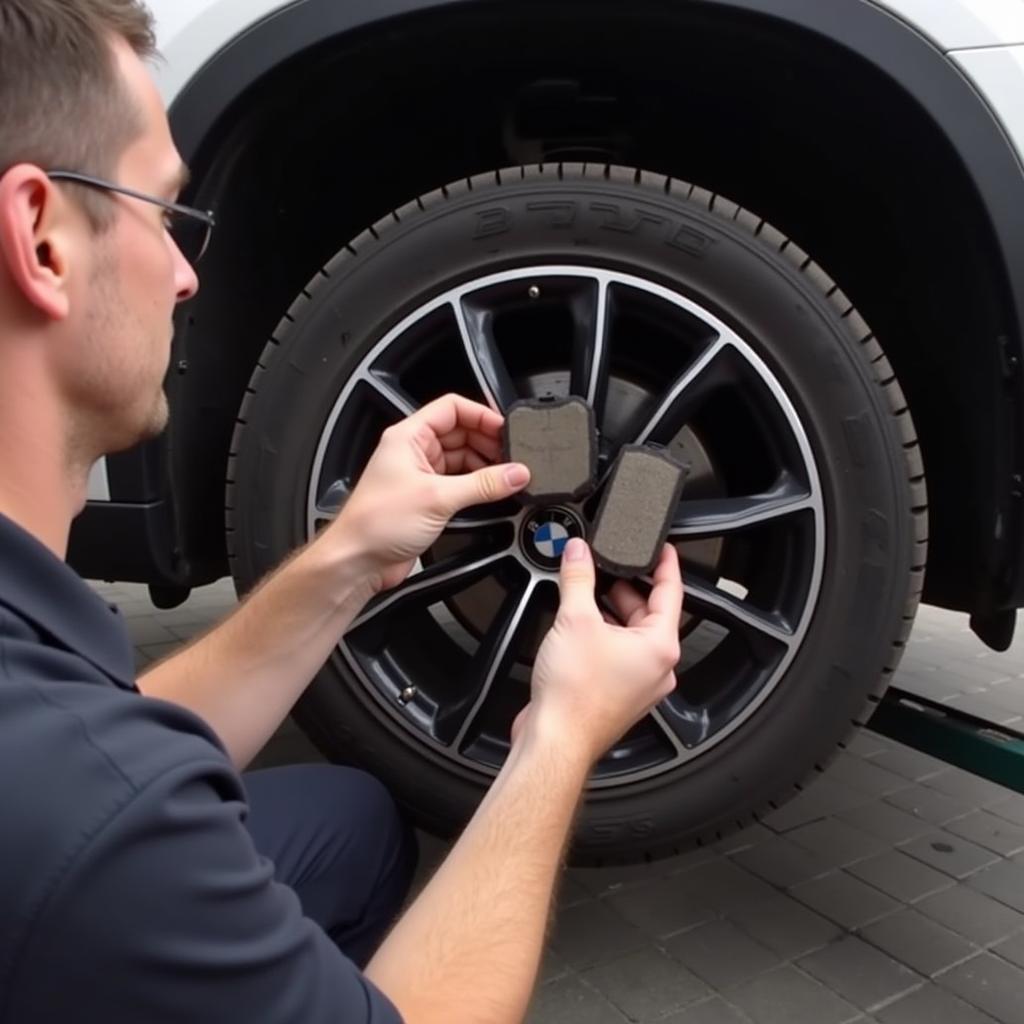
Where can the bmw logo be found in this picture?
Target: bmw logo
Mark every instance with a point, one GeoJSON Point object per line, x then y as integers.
{"type": "Point", "coordinates": [545, 533]}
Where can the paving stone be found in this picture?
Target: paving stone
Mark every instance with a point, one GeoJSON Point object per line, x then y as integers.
{"type": "Point", "coordinates": [721, 954]}
{"type": "Point", "coordinates": [961, 785]}
{"type": "Point", "coordinates": [865, 743]}
{"type": "Point", "coordinates": [744, 839]}
{"type": "Point", "coordinates": [148, 630]}
{"type": "Point", "coordinates": [190, 630]}
{"type": "Point", "coordinates": [926, 681]}
{"type": "Point", "coordinates": [185, 615]}
{"type": "Point", "coordinates": [836, 843]}
{"type": "Point", "coordinates": [590, 933]}
{"type": "Point", "coordinates": [920, 943]}
{"type": "Point", "coordinates": [570, 1001]}
{"type": "Point", "coordinates": [663, 907]}
{"type": "Point", "coordinates": [1012, 949]}
{"type": "Point", "coordinates": [134, 608]}
{"type": "Point", "coordinates": [820, 800]}
{"type": "Point", "coordinates": [781, 862]}
{"type": "Point", "coordinates": [1003, 881]}
{"type": "Point", "coordinates": [604, 880]}
{"type": "Point", "coordinates": [157, 652]}
{"type": "Point", "coordinates": [886, 822]}
{"type": "Point", "coordinates": [931, 1005]}
{"type": "Point", "coordinates": [644, 985]}
{"type": "Point", "coordinates": [1011, 698]}
{"type": "Point", "coordinates": [980, 707]}
{"type": "Point", "coordinates": [570, 891]}
{"type": "Point", "coordinates": [712, 1011]}
{"type": "Point", "coordinates": [929, 804]}
{"type": "Point", "coordinates": [724, 884]}
{"type": "Point", "coordinates": [787, 996]}
{"type": "Point", "coordinates": [859, 972]}
{"type": "Point", "coordinates": [552, 967]}
{"type": "Point", "coordinates": [977, 671]}
{"type": "Point", "coordinates": [844, 899]}
{"type": "Point", "coordinates": [864, 776]}
{"type": "Point", "coordinates": [900, 876]}
{"type": "Point", "coordinates": [951, 854]}
{"type": "Point", "coordinates": [909, 763]}
{"type": "Point", "coordinates": [1012, 809]}
{"type": "Point", "coordinates": [784, 926]}
{"type": "Point", "coordinates": [991, 831]}
{"type": "Point", "coordinates": [977, 917]}
{"type": "Point", "coordinates": [990, 984]}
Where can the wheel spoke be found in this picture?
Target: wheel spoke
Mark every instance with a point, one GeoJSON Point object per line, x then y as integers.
{"type": "Point", "coordinates": [719, 516]}
{"type": "Point", "coordinates": [488, 663]}
{"type": "Point", "coordinates": [439, 580]}
{"type": "Point", "coordinates": [590, 356]}
{"type": "Point", "coordinates": [330, 504]}
{"type": "Point", "coordinates": [465, 524]}
{"type": "Point", "coordinates": [683, 726]}
{"type": "Point", "coordinates": [712, 603]}
{"type": "Point", "coordinates": [668, 731]}
{"type": "Point", "coordinates": [481, 348]}
{"type": "Point", "coordinates": [682, 397]}
{"type": "Point", "coordinates": [386, 385]}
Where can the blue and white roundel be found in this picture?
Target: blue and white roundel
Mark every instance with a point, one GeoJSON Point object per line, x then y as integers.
{"type": "Point", "coordinates": [550, 539]}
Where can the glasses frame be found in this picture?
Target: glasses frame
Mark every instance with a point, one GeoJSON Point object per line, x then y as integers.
{"type": "Point", "coordinates": [205, 217]}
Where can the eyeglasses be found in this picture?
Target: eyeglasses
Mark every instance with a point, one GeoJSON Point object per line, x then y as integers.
{"type": "Point", "coordinates": [190, 228]}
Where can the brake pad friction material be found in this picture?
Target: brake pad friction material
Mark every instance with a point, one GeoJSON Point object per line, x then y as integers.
{"type": "Point", "coordinates": [636, 511]}
{"type": "Point", "coordinates": [557, 440]}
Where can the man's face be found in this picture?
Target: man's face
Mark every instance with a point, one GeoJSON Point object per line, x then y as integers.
{"type": "Point", "coordinates": [135, 277]}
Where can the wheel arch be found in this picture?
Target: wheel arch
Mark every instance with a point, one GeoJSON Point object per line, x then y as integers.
{"type": "Point", "coordinates": [225, 116]}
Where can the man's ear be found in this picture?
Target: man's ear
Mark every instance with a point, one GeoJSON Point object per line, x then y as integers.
{"type": "Point", "coordinates": [36, 239]}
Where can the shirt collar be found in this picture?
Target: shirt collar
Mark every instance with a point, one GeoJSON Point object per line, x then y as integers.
{"type": "Point", "coordinates": [42, 589]}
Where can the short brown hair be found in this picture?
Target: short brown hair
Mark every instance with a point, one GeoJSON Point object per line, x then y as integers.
{"type": "Point", "coordinates": [63, 105]}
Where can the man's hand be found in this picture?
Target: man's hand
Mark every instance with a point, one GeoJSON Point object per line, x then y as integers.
{"type": "Point", "coordinates": [593, 678]}
{"type": "Point", "coordinates": [425, 469]}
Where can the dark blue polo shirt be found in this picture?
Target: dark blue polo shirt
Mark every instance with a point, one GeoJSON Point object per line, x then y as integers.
{"type": "Point", "coordinates": [130, 890]}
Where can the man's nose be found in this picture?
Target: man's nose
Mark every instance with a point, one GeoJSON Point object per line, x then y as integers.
{"type": "Point", "coordinates": [185, 279]}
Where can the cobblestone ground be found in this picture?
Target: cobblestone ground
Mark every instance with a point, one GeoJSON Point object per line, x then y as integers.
{"type": "Point", "coordinates": [892, 890]}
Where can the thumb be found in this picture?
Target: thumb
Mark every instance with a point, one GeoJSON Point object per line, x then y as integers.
{"type": "Point", "coordinates": [492, 483]}
{"type": "Point", "coordinates": [576, 579]}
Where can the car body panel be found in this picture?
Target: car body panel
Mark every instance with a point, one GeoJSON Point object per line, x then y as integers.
{"type": "Point", "coordinates": [998, 74]}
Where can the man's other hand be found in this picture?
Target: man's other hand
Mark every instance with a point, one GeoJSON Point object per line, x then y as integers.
{"type": "Point", "coordinates": [426, 468]}
{"type": "Point", "coordinates": [593, 678]}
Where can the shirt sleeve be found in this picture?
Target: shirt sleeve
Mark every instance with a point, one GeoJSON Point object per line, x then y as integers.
{"type": "Point", "coordinates": [170, 914]}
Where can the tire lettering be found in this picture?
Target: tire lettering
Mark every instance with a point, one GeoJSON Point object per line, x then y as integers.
{"type": "Point", "coordinates": [855, 429]}
{"type": "Point", "coordinates": [561, 214]}
{"type": "Point", "coordinates": [626, 223]}
{"type": "Point", "coordinates": [495, 221]}
{"type": "Point", "coordinates": [610, 831]}
{"type": "Point", "coordinates": [689, 241]}
{"type": "Point", "coordinates": [875, 529]}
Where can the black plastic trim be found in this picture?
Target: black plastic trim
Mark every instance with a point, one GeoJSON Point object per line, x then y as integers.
{"type": "Point", "coordinates": [143, 550]}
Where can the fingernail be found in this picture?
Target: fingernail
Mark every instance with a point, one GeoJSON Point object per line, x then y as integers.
{"type": "Point", "coordinates": [575, 550]}
{"type": "Point", "coordinates": [516, 475]}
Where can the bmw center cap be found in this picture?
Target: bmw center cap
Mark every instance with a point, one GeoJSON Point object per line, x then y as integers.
{"type": "Point", "coordinates": [545, 533]}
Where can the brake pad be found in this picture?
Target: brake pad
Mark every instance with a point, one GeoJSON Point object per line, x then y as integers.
{"type": "Point", "coordinates": [557, 440]}
{"type": "Point", "coordinates": [636, 511]}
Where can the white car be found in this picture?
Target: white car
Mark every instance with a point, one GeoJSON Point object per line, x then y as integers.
{"type": "Point", "coordinates": [784, 238]}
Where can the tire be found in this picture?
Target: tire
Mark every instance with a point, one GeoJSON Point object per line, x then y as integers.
{"type": "Point", "coordinates": [657, 241]}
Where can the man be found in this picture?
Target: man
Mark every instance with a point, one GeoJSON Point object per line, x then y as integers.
{"type": "Point", "coordinates": [142, 879]}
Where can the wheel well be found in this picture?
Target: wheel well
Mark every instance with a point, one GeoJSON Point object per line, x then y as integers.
{"type": "Point", "coordinates": [792, 126]}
